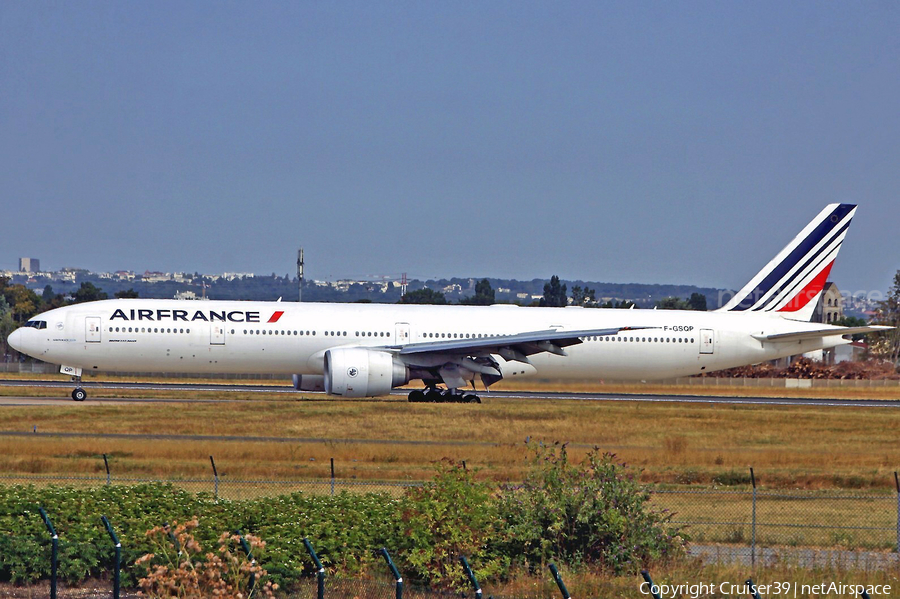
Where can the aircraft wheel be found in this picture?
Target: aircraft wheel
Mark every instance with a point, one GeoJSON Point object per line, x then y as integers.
{"type": "Point", "coordinates": [434, 396]}
{"type": "Point", "coordinates": [416, 396]}
{"type": "Point", "coordinates": [79, 394]}
{"type": "Point", "coordinates": [471, 398]}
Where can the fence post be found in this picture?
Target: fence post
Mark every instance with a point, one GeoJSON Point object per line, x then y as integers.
{"type": "Point", "coordinates": [471, 575]}
{"type": "Point", "coordinates": [106, 463]}
{"type": "Point", "coordinates": [118, 565]}
{"type": "Point", "coordinates": [320, 570]}
{"type": "Point", "coordinates": [559, 582]}
{"type": "Point", "coordinates": [753, 523]}
{"type": "Point", "coordinates": [399, 579]}
{"type": "Point", "coordinates": [752, 587]}
{"type": "Point", "coordinates": [215, 477]}
{"type": "Point", "coordinates": [246, 548]}
{"type": "Point", "coordinates": [332, 477]}
{"type": "Point", "coordinates": [649, 581]}
{"type": "Point", "coordinates": [897, 483]}
{"type": "Point", "coordinates": [54, 552]}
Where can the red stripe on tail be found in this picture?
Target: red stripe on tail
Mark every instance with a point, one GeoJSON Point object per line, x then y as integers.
{"type": "Point", "coordinates": [813, 289]}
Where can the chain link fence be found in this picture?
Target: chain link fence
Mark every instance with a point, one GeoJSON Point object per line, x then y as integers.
{"type": "Point", "coordinates": [806, 528]}
{"type": "Point", "coordinates": [746, 527]}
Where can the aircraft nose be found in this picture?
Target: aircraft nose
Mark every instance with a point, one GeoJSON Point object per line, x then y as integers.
{"type": "Point", "coordinates": [15, 340]}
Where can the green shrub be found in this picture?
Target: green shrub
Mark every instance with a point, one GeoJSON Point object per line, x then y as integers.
{"type": "Point", "coordinates": [590, 513]}
{"type": "Point", "coordinates": [453, 515]}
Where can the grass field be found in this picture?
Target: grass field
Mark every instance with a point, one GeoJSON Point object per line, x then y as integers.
{"type": "Point", "coordinates": [789, 446]}
{"type": "Point", "coordinates": [683, 447]}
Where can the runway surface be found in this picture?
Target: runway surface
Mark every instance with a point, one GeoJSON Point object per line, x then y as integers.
{"type": "Point", "coordinates": [60, 391]}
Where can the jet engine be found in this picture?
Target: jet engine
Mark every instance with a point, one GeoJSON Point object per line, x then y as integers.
{"type": "Point", "coordinates": [359, 372]}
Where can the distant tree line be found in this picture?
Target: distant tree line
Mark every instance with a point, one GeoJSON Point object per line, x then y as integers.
{"type": "Point", "coordinates": [272, 287]}
{"type": "Point", "coordinates": [18, 304]}
{"type": "Point", "coordinates": [555, 295]}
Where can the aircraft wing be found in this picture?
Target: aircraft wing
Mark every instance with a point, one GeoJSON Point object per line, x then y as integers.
{"type": "Point", "coordinates": [526, 344]}
{"type": "Point", "coordinates": [799, 336]}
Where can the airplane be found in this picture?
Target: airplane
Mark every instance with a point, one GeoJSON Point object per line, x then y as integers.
{"type": "Point", "coordinates": [366, 350]}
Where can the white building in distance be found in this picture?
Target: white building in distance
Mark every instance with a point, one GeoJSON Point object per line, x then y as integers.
{"type": "Point", "coordinates": [30, 265]}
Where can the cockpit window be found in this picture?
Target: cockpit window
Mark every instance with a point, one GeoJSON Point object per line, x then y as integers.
{"type": "Point", "coordinates": [36, 324]}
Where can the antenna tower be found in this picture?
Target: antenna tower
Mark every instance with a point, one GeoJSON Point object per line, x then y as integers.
{"type": "Point", "coordinates": [300, 274]}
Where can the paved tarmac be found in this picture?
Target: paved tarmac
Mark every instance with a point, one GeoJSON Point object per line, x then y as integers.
{"type": "Point", "coordinates": [57, 392]}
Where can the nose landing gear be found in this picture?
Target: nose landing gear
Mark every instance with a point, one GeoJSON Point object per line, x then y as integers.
{"type": "Point", "coordinates": [78, 394]}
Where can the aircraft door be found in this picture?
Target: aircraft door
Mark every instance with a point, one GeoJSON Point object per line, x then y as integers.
{"type": "Point", "coordinates": [216, 334]}
{"type": "Point", "coordinates": [401, 334]}
{"type": "Point", "coordinates": [92, 329]}
{"type": "Point", "coordinates": [707, 341]}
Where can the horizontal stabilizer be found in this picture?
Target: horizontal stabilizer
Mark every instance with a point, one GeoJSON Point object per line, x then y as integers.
{"type": "Point", "coordinates": [799, 336]}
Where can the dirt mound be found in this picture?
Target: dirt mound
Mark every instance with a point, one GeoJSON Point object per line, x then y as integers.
{"type": "Point", "coordinates": [804, 368]}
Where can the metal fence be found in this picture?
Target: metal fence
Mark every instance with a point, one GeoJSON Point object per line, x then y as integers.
{"type": "Point", "coordinates": [805, 528]}
{"type": "Point", "coordinates": [808, 528]}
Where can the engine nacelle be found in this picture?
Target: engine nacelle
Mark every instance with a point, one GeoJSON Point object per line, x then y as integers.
{"type": "Point", "coordinates": [359, 372]}
{"type": "Point", "coordinates": [309, 382]}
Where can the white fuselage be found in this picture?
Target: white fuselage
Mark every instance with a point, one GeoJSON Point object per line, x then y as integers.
{"type": "Point", "coordinates": [291, 338]}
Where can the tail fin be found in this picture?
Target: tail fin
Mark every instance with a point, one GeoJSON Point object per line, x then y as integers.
{"type": "Point", "coordinates": [791, 283]}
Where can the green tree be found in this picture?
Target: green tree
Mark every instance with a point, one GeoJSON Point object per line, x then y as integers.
{"type": "Point", "coordinates": [423, 296]}
{"type": "Point", "coordinates": [129, 294]}
{"type": "Point", "coordinates": [24, 303]}
{"type": "Point", "coordinates": [484, 295]}
{"type": "Point", "coordinates": [7, 324]}
{"type": "Point", "coordinates": [672, 303]}
{"type": "Point", "coordinates": [886, 345]}
{"type": "Point", "coordinates": [88, 293]}
{"type": "Point", "coordinates": [697, 302]}
{"type": "Point", "coordinates": [554, 294]}
{"type": "Point", "coordinates": [852, 321]}
{"type": "Point", "coordinates": [621, 304]}
{"type": "Point", "coordinates": [586, 297]}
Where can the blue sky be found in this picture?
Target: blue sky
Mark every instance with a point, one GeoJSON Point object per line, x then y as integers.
{"type": "Point", "coordinates": [627, 142]}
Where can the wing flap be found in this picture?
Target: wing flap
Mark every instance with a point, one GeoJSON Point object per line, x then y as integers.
{"type": "Point", "coordinates": [533, 342]}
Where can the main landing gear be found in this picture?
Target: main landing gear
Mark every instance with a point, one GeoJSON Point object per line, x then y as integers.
{"type": "Point", "coordinates": [435, 395]}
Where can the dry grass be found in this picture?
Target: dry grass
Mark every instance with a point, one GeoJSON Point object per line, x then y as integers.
{"type": "Point", "coordinates": [790, 446]}
{"type": "Point", "coordinates": [737, 389]}
{"type": "Point", "coordinates": [586, 583]}
{"type": "Point", "coordinates": [580, 583]}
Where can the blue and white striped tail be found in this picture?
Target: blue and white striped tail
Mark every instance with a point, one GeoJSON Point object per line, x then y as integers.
{"type": "Point", "coordinates": [792, 282]}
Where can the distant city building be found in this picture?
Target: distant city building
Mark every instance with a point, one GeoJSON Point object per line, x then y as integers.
{"type": "Point", "coordinates": [188, 295]}
{"type": "Point", "coordinates": [156, 277]}
{"type": "Point", "coordinates": [230, 276]}
{"type": "Point", "coordinates": [29, 265]}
